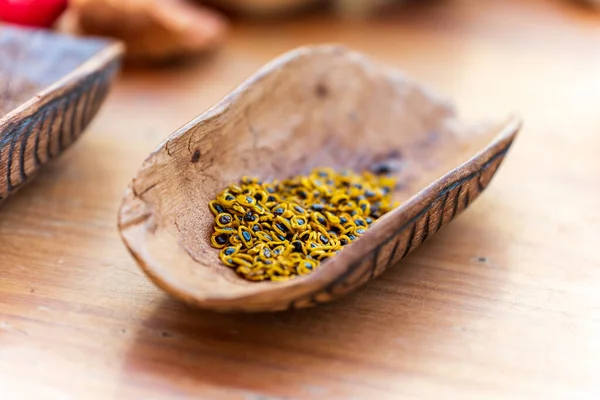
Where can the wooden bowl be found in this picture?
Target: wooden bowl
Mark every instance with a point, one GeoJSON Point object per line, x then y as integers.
{"type": "Point", "coordinates": [316, 106]}
{"type": "Point", "coordinates": [51, 86]}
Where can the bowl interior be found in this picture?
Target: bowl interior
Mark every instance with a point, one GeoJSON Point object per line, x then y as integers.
{"type": "Point", "coordinates": [34, 59]}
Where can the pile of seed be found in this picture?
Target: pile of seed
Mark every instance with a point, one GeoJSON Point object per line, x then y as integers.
{"type": "Point", "coordinates": [278, 230]}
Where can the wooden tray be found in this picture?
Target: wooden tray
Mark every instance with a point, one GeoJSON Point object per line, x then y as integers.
{"type": "Point", "coordinates": [51, 86]}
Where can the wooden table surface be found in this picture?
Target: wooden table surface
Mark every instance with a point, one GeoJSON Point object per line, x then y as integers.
{"type": "Point", "coordinates": [503, 303]}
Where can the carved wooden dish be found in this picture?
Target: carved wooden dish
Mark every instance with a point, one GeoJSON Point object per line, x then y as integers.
{"type": "Point", "coordinates": [51, 86]}
{"type": "Point", "coordinates": [316, 106]}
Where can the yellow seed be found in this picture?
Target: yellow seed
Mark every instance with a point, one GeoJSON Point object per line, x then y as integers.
{"type": "Point", "coordinates": [320, 213]}
{"type": "Point", "coordinates": [240, 261]}
{"type": "Point", "coordinates": [333, 219]}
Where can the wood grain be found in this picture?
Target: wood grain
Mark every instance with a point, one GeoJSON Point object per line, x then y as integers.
{"type": "Point", "coordinates": [53, 86]}
{"type": "Point", "coordinates": [501, 303]}
{"type": "Point", "coordinates": [295, 114]}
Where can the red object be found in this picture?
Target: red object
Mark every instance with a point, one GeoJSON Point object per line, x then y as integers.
{"type": "Point", "coordinates": [37, 13]}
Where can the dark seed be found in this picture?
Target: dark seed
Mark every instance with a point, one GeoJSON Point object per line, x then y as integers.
{"type": "Point", "coordinates": [219, 209]}
{"type": "Point", "coordinates": [222, 239]}
{"type": "Point", "coordinates": [360, 231]}
{"type": "Point", "coordinates": [343, 242]}
{"type": "Point", "coordinates": [249, 200]}
{"type": "Point", "coordinates": [249, 217]}
{"type": "Point", "coordinates": [359, 222]}
{"type": "Point", "coordinates": [313, 245]}
{"type": "Point", "coordinates": [229, 251]}
{"type": "Point", "coordinates": [302, 195]}
{"type": "Point", "coordinates": [369, 220]}
{"type": "Point", "coordinates": [317, 207]}
{"type": "Point", "coordinates": [282, 228]}
{"type": "Point", "coordinates": [321, 221]}
{"type": "Point", "coordinates": [308, 265]}
{"type": "Point", "coordinates": [247, 236]}
{"type": "Point", "coordinates": [225, 219]}
{"type": "Point", "coordinates": [258, 197]}
{"type": "Point", "coordinates": [281, 237]}
{"type": "Point", "coordinates": [323, 174]}
{"type": "Point", "coordinates": [363, 207]}
{"type": "Point", "coordinates": [353, 213]}
{"type": "Point", "coordinates": [229, 197]}
{"type": "Point", "coordinates": [351, 237]}
{"type": "Point", "coordinates": [370, 193]}
{"type": "Point", "coordinates": [297, 246]}
{"type": "Point", "coordinates": [357, 185]}
{"type": "Point", "coordinates": [256, 228]}
{"type": "Point", "coordinates": [270, 190]}
{"type": "Point", "coordinates": [271, 199]}
{"type": "Point", "coordinates": [300, 222]}
{"type": "Point", "coordinates": [324, 240]}
{"type": "Point", "coordinates": [299, 209]}
{"type": "Point", "coordinates": [278, 211]}
{"type": "Point", "coordinates": [343, 220]}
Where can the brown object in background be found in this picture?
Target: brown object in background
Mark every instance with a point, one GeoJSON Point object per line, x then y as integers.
{"type": "Point", "coordinates": [51, 88]}
{"type": "Point", "coordinates": [591, 3]}
{"type": "Point", "coordinates": [263, 7]}
{"type": "Point", "coordinates": [342, 8]}
{"type": "Point", "coordinates": [153, 30]}
{"type": "Point", "coordinates": [298, 113]}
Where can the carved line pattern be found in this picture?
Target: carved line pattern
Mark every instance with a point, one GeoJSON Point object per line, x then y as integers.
{"type": "Point", "coordinates": [93, 89]}
{"type": "Point", "coordinates": [348, 281]}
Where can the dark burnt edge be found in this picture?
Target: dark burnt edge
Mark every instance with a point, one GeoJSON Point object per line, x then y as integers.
{"type": "Point", "coordinates": [36, 146]}
{"type": "Point", "coordinates": [22, 173]}
{"type": "Point", "coordinates": [425, 234]}
{"type": "Point", "coordinates": [54, 108]}
{"type": "Point", "coordinates": [89, 101]}
{"type": "Point", "coordinates": [340, 280]}
{"type": "Point", "coordinates": [101, 92]}
{"type": "Point", "coordinates": [374, 259]}
{"type": "Point", "coordinates": [466, 199]}
{"type": "Point", "coordinates": [11, 150]}
{"type": "Point", "coordinates": [78, 122]}
{"type": "Point", "coordinates": [392, 254]}
{"type": "Point", "coordinates": [442, 209]}
{"type": "Point", "coordinates": [456, 200]}
{"type": "Point", "coordinates": [410, 240]}
{"type": "Point", "coordinates": [74, 104]}
{"type": "Point", "coordinates": [61, 127]}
